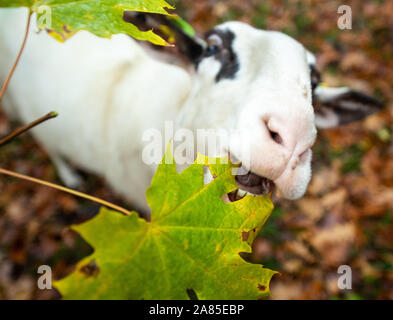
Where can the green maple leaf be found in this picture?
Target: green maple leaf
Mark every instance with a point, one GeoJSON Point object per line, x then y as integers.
{"type": "Point", "coordinates": [102, 18]}
{"type": "Point", "coordinates": [192, 242]}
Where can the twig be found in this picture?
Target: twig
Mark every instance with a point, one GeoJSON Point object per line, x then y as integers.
{"type": "Point", "coordinates": [2, 92]}
{"type": "Point", "coordinates": [64, 189]}
{"type": "Point", "coordinates": [27, 127]}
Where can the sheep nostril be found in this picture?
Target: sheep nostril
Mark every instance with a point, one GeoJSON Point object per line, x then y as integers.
{"type": "Point", "coordinates": [276, 137]}
{"type": "Point", "coordinates": [273, 130]}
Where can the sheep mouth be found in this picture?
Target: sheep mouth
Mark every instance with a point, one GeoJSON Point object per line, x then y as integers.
{"type": "Point", "coordinates": [253, 184]}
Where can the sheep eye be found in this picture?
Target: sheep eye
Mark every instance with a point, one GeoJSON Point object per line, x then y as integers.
{"type": "Point", "coordinates": [214, 44]}
{"type": "Point", "coordinates": [212, 49]}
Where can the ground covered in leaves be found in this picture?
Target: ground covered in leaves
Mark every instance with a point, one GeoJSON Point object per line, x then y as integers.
{"type": "Point", "coordinates": [345, 218]}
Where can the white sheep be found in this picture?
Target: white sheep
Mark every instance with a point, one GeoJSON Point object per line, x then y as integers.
{"type": "Point", "coordinates": [109, 93]}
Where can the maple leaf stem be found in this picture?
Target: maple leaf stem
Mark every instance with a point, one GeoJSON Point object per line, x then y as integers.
{"type": "Point", "coordinates": [64, 189]}
{"type": "Point", "coordinates": [7, 81]}
{"type": "Point", "coordinates": [27, 127]}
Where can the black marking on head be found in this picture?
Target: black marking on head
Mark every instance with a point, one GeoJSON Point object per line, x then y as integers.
{"type": "Point", "coordinates": [223, 53]}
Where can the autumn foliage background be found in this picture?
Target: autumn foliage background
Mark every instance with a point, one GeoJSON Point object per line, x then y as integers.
{"type": "Point", "coordinates": [346, 216]}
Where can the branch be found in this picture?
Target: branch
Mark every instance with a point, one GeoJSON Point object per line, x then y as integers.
{"type": "Point", "coordinates": [2, 92]}
{"type": "Point", "coordinates": [27, 127]}
{"type": "Point", "coordinates": [64, 189]}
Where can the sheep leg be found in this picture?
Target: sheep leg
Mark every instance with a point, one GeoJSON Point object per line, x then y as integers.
{"type": "Point", "coordinates": [66, 173]}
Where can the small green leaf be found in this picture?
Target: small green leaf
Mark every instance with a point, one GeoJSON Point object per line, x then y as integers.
{"type": "Point", "coordinates": [192, 242]}
{"type": "Point", "coordinates": [102, 18]}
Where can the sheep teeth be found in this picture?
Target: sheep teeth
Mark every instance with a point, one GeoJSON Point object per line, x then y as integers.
{"type": "Point", "coordinates": [241, 193]}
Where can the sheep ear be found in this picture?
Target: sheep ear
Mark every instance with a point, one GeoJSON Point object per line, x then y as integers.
{"type": "Point", "coordinates": [190, 47]}
{"type": "Point", "coordinates": [339, 106]}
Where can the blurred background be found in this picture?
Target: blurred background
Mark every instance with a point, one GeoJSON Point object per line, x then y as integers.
{"type": "Point", "coordinates": [346, 216]}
